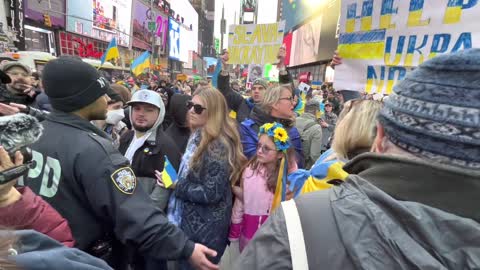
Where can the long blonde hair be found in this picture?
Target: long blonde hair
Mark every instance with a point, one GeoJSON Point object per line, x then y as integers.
{"type": "Point", "coordinates": [219, 126]}
{"type": "Point", "coordinates": [356, 129]}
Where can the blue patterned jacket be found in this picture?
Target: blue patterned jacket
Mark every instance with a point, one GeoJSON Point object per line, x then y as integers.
{"type": "Point", "coordinates": [207, 200]}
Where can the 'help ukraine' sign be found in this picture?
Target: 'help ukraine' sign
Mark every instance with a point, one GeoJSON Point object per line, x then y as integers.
{"type": "Point", "coordinates": [381, 40]}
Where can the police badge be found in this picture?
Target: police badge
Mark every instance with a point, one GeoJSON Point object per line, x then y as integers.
{"type": "Point", "coordinates": [125, 180]}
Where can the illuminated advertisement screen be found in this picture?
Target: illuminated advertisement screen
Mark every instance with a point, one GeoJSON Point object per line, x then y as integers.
{"type": "Point", "coordinates": [100, 19]}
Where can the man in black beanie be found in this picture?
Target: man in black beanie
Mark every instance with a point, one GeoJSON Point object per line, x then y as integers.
{"type": "Point", "coordinates": [81, 174]}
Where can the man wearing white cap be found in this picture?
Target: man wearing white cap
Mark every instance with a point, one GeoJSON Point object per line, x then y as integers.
{"type": "Point", "coordinates": [147, 145]}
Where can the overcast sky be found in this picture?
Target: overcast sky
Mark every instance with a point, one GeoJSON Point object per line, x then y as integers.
{"type": "Point", "coordinates": [267, 13]}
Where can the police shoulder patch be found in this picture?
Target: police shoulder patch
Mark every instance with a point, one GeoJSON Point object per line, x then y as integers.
{"type": "Point", "coordinates": [125, 180]}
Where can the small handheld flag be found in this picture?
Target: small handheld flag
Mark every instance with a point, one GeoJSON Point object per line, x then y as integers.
{"type": "Point", "coordinates": [111, 52]}
{"type": "Point", "coordinates": [140, 63]}
{"type": "Point", "coordinates": [169, 175]}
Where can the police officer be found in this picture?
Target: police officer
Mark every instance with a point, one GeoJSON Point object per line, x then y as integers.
{"type": "Point", "coordinates": [80, 173]}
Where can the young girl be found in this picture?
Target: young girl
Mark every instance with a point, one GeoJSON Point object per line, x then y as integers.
{"type": "Point", "coordinates": [255, 201]}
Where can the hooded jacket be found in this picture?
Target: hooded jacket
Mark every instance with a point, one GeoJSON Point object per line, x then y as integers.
{"type": "Point", "coordinates": [39, 252]}
{"type": "Point", "coordinates": [179, 130]}
{"type": "Point", "coordinates": [32, 212]}
{"type": "Point", "coordinates": [249, 133]}
{"type": "Point", "coordinates": [168, 119]}
{"type": "Point", "coordinates": [151, 155]}
{"type": "Point", "coordinates": [391, 213]}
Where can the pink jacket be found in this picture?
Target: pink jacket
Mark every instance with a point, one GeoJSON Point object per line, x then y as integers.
{"type": "Point", "coordinates": [248, 215]}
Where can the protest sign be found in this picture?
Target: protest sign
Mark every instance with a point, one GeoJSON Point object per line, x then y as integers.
{"type": "Point", "coordinates": [255, 43]}
{"type": "Point", "coordinates": [382, 40]}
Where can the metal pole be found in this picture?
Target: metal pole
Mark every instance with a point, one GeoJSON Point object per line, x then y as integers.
{"type": "Point", "coordinates": [153, 36]}
{"type": "Point", "coordinates": [222, 27]}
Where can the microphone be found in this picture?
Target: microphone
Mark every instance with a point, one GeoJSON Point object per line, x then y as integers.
{"type": "Point", "coordinates": [17, 132]}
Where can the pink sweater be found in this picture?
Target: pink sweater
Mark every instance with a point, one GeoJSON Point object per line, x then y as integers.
{"type": "Point", "coordinates": [248, 215]}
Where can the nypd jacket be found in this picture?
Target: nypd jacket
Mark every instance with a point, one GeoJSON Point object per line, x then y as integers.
{"type": "Point", "coordinates": [80, 173]}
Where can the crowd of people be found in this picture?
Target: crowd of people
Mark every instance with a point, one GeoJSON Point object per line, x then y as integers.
{"type": "Point", "coordinates": [141, 173]}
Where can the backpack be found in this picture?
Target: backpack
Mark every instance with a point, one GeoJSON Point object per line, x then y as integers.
{"type": "Point", "coordinates": [306, 142]}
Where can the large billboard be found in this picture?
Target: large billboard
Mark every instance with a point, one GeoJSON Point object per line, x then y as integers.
{"type": "Point", "coordinates": [296, 12]}
{"type": "Point", "coordinates": [190, 18]}
{"type": "Point", "coordinates": [101, 19]}
{"type": "Point", "coordinates": [35, 10]}
{"type": "Point", "coordinates": [180, 41]}
{"type": "Point", "coordinates": [315, 39]}
{"type": "Point", "coordinates": [142, 37]}
{"type": "Point", "coordinates": [142, 33]}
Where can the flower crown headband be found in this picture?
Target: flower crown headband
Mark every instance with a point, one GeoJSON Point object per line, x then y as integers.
{"type": "Point", "coordinates": [278, 133]}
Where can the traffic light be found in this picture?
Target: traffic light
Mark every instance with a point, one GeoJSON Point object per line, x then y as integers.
{"type": "Point", "coordinates": [46, 20]}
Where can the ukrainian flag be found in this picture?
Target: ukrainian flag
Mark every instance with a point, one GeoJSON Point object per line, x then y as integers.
{"type": "Point", "coordinates": [111, 52]}
{"type": "Point", "coordinates": [140, 63]}
{"type": "Point", "coordinates": [362, 45]}
{"type": "Point", "coordinates": [317, 178]}
{"type": "Point", "coordinates": [169, 175]}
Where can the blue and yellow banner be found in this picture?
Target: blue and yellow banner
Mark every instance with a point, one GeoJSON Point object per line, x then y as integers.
{"type": "Point", "coordinates": [380, 41]}
{"type": "Point", "coordinates": [111, 52]}
{"type": "Point", "coordinates": [140, 63]}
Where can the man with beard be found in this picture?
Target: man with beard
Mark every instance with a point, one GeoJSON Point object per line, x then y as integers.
{"type": "Point", "coordinates": [147, 145]}
{"type": "Point", "coordinates": [18, 90]}
{"type": "Point", "coordinates": [81, 174]}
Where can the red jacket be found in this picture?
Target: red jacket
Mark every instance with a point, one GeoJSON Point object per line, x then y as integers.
{"type": "Point", "coordinates": [32, 212]}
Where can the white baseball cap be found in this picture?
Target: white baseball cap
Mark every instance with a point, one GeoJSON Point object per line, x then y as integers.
{"type": "Point", "coordinates": [149, 97]}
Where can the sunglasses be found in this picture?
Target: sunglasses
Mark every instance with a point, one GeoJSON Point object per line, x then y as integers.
{"type": "Point", "coordinates": [264, 148]}
{"type": "Point", "coordinates": [197, 108]}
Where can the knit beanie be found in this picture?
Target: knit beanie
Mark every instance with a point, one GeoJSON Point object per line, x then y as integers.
{"type": "Point", "coordinates": [72, 84]}
{"type": "Point", "coordinates": [261, 82]}
{"type": "Point", "coordinates": [434, 112]}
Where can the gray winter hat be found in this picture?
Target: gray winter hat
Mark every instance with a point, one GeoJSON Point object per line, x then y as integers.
{"type": "Point", "coordinates": [434, 112]}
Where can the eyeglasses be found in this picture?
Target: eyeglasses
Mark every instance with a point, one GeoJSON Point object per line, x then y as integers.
{"type": "Point", "coordinates": [197, 108]}
{"type": "Point", "coordinates": [18, 74]}
{"type": "Point", "coordinates": [287, 98]}
{"type": "Point", "coordinates": [263, 148]}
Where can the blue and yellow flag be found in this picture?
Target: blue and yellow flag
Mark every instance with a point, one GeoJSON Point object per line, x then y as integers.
{"type": "Point", "coordinates": [111, 52]}
{"type": "Point", "coordinates": [140, 63]}
{"type": "Point", "coordinates": [317, 178]}
{"type": "Point", "coordinates": [169, 175]}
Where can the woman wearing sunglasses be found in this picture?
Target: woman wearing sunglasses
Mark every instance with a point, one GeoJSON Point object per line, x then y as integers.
{"type": "Point", "coordinates": [202, 200]}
